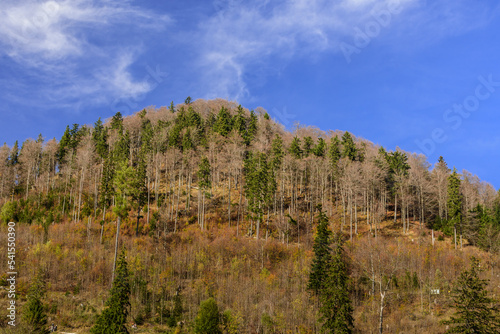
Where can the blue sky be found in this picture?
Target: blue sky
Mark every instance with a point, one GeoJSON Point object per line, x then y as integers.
{"type": "Point", "coordinates": [421, 75]}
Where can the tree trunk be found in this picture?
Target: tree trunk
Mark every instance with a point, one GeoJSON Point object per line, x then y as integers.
{"type": "Point", "coordinates": [116, 247]}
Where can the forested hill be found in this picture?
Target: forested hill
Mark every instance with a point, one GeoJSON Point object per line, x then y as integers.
{"type": "Point", "coordinates": [196, 184]}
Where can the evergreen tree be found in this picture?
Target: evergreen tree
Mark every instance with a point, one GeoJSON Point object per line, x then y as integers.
{"type": "Point", "coordinates": [239, 121]}
{"type": "Point", "coordinates": [454, 202]}
{"type": "Point", "coordinates": [64, 145]}
{"type": "Point", "coordinates": [34, 311]}
{"type": "Point", "coordinates": [100, 138]}
{"type": "Point", "coordinates": [208, 319]}
{"type": "Point", "coordinates": [223, 123]}
{"type": "Point", "coordinates": [308, 146]}
{"type": "Point", "coordinates": [475, 312]}
{"type": "Point", "coordinates": [121, 152]}
{"type": "Point", "coordinates": [336, 307]}
{"type": "Point", "coordinates": [259, 185]}
{"type": "Point", "coordinates": [334, 151]}
{"type": "Point", "coordinates": [117, 121]}
{"type": "Point", "coordinates": [349, 148]}
{"type": "Point", "coordinates": [14, 154]}
{"type": "Point", "coordinates": [171, 107]}
{"type": "Point", "coordinates": [320, 148]}
{"type": "Point", "coordinates": [204, 182]}
{"type": "Point", "coordinates": [295, 149]}
{"type": "Point", "coordinates": [251, 128]}
{"type": "Point", "coordinates": [322, 254]}
{"type": "Point", "coordinates": [277, 152]}
{"type": "Point", "coordinates": [113, 318]}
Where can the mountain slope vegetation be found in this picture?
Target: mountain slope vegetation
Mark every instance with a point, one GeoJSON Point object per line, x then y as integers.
{"type": "Point", "coordinates": [216, 204]}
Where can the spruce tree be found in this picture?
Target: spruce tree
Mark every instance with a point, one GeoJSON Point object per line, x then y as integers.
{"type": "Point", "coordinates": [34, 310]}
{"type": "Point", "coordinates": [454, 202]}
{"type": "Point", "coordinates": [475, 311]}
{"type": "Point", "coordinates": [322, 254]}
{"type": "Point", "coordinates": [349, 148]}
{"type": "Point", "coordinates": [308, 146]}
{"type": "Point", "coordinates": [320, 148]}
{"type": "Point", "coordinates": [208, 319]}
{"type": "Point", "coordinates": [336, 307]}
{"type": "Point", "coordinates": [223, 123]}
{"type": "Point", "coordinates": [112, 320]}
{"type": "Point", "coordinates": [295, 149]}
{"type": "Point", "coordinates": [64, 144]}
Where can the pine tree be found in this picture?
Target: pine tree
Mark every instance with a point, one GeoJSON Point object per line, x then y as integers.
{"type": "Point", "coordinates": [454, 203]}
{"type": "Point", "coordinates": [322, 254]}
{"type": "Point", "coordinates": [349, 148]}
{"type": "Point", "coordinates": [14, 154]}
{"type": "Point", "coordinates": [260, 185]}
{"type": "Point", "coordinates": [208, 319]}
{"type": "Point", "coordinates": [100, 137]}
{"type": "Point", "coordinates": [308, 146]}
{"type": "Point", "coordinates": [475, 312]}
{"type": "Point", "coordinates": [239, 121]}
{"type": "Point", "coordinates": [277, 152]}
{"type": "Point", "coordinates": [204, 182]}
{"type": "Point", "coordinates": [223, 124]}
{"type": "Point", "coordinates": [320, 148]}
{"type": "Point", "coordinates": [64, 144]}
{"type": "Point", "coordinates": [336, 307]}
{"type": "Point", "coordinates": [112, 320]}
{"type": "Point", "coordinates": [34, 311]}
{"type": "Point", "coordinates": [295, 149]}
{"type": "Point", "coordinates": [117, 121]}
{"type": "Point", "coordinates": [334, 154]}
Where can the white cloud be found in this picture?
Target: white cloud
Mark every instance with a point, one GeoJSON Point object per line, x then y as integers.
{"type": "Point", "coordinates": [55, 41]}
{"type": "Point", "coordinates": [245, 35]}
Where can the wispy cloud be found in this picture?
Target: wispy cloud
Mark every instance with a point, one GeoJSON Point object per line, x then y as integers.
{"type": "Point", "coordinates": [71, 48]}
{"type": "Point", "coordinates": [244, 35]}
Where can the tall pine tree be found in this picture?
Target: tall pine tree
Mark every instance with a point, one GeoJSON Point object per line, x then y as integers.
{"type": "Point", "coordinates": [475, 312]}
{"type": "Point", "coordinates": [112, 320]}
{"type": "Point", "coordinates": [336, 307]}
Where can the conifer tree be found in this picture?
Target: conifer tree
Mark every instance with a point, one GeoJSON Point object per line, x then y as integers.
{"type": "Point", "coordinates": [251, 128]}
{"type": "Point", "coordinates": [259, 185]}
{"type": "Point", "coordinates": [113, 318]}
{"type": "Point", "coordinates": [349, 148]}
{"type": "Point", "coordinates": [475, 311]}
{"type": "Point", "coordinates": [336, 307]}
{"type": "Point", "coordinates": [208, 319]}
{"type": "Point", "coordinates": [223, 123]}
{"type": "Point", "coordinates": [100, 137]}
{"type": "Point", "coordinates": [204, 182]}
{"type": "Point", "coordinates": [308, 146]}
{"type": "Point", "coordinates": [454, 203]}
{"type": "Point", "coordinates": [277, 152]}
{"type": "Point", "coordinates": [334, 151]}
{"type": "Point", "coordinates": [295, 149]}
{"type": "Point", "coordinates": [320, 148]}
{"type": "Point", "coordinates": [124, 188]}
{"type": "Point", "coordinates": [322, 254]}
{"type": "Point", "coordinates": [239, 121]}
{"type": "Point", "coordinates": [117, 121]}
{"type": "Point", "coordinates": [64, 144]}
{"type": "Point", "coordinates": [34, 310]}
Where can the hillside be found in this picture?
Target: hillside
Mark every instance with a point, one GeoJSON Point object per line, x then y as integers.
{"type": "Point", "coordinates": [218, 201]}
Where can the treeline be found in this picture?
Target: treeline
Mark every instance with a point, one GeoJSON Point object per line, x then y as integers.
{"type": "Point", "coordinates": [204, 156]}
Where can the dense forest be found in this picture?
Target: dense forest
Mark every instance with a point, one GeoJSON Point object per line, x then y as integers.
{"type": "Point", "coordinates": [207, 209]}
